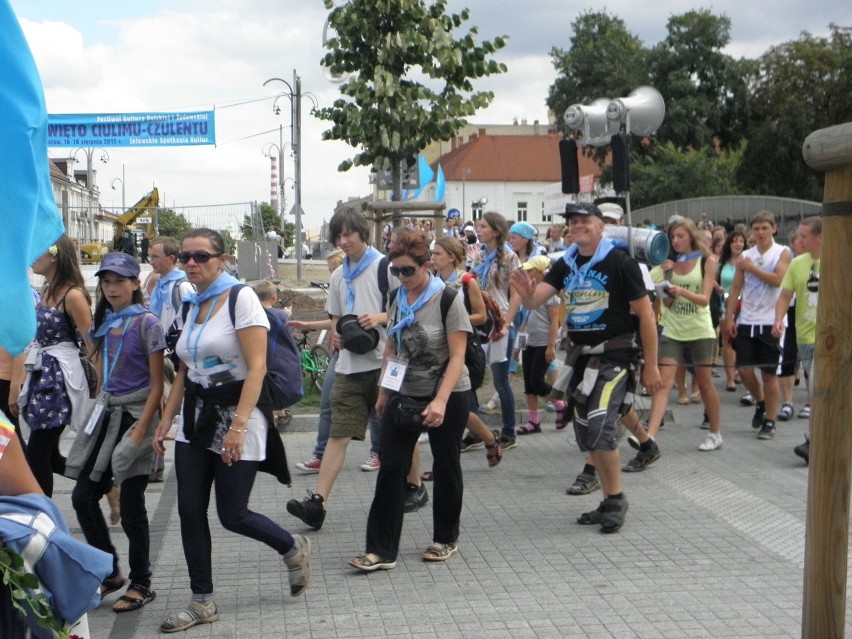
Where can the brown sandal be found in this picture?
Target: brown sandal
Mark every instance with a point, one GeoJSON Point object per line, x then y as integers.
{"type": "Point", "coordinates": [493, 453]}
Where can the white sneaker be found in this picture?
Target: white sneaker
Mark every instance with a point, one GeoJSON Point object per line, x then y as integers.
{"type": "Point", "coordinates": [712, 441]}
{"type": "Point", "coordinates": [372, 463]}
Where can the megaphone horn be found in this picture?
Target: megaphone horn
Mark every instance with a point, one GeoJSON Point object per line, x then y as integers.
{"type": "Point", "coordinates": [642, 111]}
{"type": "Point", "coordinates": [591, 121]}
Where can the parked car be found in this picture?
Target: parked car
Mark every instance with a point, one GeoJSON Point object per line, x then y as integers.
{"type": "Point", "coordinates": [92, 252]}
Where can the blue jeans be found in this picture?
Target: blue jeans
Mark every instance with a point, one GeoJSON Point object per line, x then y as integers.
{"type": "Point", "coordinates": [500, 379]}
{"type": "Point", "coordinates": [197, 470]}
{"type": "Point", "coordinates": [324, 427]}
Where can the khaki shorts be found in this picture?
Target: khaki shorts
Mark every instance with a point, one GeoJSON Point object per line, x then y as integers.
{"type": "Point", "coordinates": [352, 398]}
{"type": "Point", "coordinates": [701, 349]}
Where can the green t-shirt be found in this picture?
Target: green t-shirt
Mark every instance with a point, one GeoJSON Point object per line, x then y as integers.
{"type": "Point", "coordinates": [802, 269]}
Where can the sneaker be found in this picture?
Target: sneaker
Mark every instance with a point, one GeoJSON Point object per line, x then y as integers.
{"type": "Point", "coordinates": [194, 614]}
{"type": "Point", "coordinates": [786, 412]}
{"type": "Point", "coordinates": [310, 466]}
{"type": "Point", "coordinates": [373, 463]}
{"type": "Point", "coordinates": [805, 413]}
{"type": "Point", "coordinates": [310, 510]}
{"type": "Point", "coordinates": [747, 400]}
{"type": "Point", "coordinates": [415, 497]}
{"type": "Point", "coordinates": [584, 484]}
{"type": "Point", "coordinates": [634, 442]}
{"type": "Point", "coordinates": [759, 414]}
{"type": "Point", "coordinates": [767, 430]}
{"type": "Point", "coordinates": [712, 441]}
{"type": "Point", "coordinates": [298, 562]}
{"type": "Point", "coordinates": [491, 407]}
{"type": "Point", "coordinates": [705, 423]}
{"type": "Point", "coordinates": [803, 450]}
{"type": "Point", "coordinates": [471, 442]}
{"type": "Point", "coordinates": [550, 408]}
{"type": "Point", "coordinates": [507, 443]}
{"type": "Point", "coordinates": [643, 459]}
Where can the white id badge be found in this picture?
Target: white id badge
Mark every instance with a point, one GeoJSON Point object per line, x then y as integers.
{"type": "Point", "coordinates": [394, 373]}
{"type": "Point", "coordinates": [95, 417]}
{"type": "Point", "coordinates": [521, 342]}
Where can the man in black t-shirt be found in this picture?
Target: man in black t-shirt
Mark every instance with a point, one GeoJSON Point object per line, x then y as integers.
{"type": "Point", "coordinates": [602, 285]}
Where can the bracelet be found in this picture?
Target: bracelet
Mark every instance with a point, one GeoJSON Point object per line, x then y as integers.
{"type": "Point", "coordinates": [239, 417]}
{"type": "Point", "coordinates": [238, 430]}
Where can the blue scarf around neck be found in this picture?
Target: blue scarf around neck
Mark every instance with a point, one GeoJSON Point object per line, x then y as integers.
{"type": "Point", "coordinates": [481, 270]}
{"type": "Point", "coordinates": [114, 319]}
{"type": "Point", "coordinates": [159, 296]}
{"type": "Point", "coordinates": [221, 284]}
{"type": "Point", "coordinates": [406, 311]}
{"type": "Point", "coordinates": [349, 274]}
{"type": "Point", "coordinates": [578, 275]}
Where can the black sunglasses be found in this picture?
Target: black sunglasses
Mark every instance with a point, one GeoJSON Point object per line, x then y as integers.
{"type": "Point", "coordinates": [407, 271]}
{"type": "Point", "coordinates": [201, 257]}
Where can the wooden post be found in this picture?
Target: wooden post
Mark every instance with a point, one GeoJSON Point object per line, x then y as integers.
{"type": "Point", "coordinates": [826, 540]}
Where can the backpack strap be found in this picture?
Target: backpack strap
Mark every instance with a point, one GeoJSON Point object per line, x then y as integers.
{"type": "Point", "coordinates": [447, 297]}
{"type": "Point", "coordinates": [233, 293]}
{"type": "Point", "coordinates": [177, 300]}
{"type": "Point", "coordinates": [384, 285]}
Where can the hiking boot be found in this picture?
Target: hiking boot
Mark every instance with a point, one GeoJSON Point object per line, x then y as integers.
{"type": "Point", "coordinates": [415, 497]}
{"type": "Point", "coordinates": [643, 459]}
{"type": "Point", "coordinates": [584, 484]}
{"type": "Point", "coordinates": [786, 412]}
{"type": "Point", "coordinates": [747, 400]}
{"type": "Point", "coordinates": [298, 562]}
{"type": "Point", "coordinates": [759, 414]}
{"type": "Point", "coordinates": [310, 466]}
{"type": "Point", "coordinates": [310, 510]}
{"type": "Point", "coordinates": [471, 442]}
{"type": "Point", "coordinates": [803, 450]}
{"type": "Point", "coordinates": [373, 463]}
{"type": "Point", "coordinates": [507, 443]}
{"type": "Point", "coordinates": [614, 513]}
{"type": "Point", "coordinates": [712, 441]}
{"type": "Point", "coordinates": [767, 430]}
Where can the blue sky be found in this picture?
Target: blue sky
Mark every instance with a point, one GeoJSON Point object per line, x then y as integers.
{"type": "Point", "coordinates": [98, 56]}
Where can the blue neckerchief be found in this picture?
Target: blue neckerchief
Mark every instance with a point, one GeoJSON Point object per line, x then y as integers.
{"type": "Point", "coordinates": [689, 256]}
{"type": "Point", "coordinates": [406, 311]}
{"type": "Point", "coordinates": [349, 275]}
{"type": "Point", "coordinates": [454, 276]}
{"type": "Point", "coordinates": [481, 269]}
{"type": "Point", "coordinates": [158, 297]}
{"type": "Point", "coordinates": [579, 274]}
{"type": "Point", "coordinates": [219, 286]}
{"type": "Point", "coordinates": [112, 320]}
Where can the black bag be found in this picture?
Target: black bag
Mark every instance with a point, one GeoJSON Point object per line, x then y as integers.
{"type": "Point", "coordinates": [407, 412]}
{"type": "Point", "coordinates": [91, 375]}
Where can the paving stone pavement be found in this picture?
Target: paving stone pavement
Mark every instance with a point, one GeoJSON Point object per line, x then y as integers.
{"type": "Point", "coordinates": [712, 547]}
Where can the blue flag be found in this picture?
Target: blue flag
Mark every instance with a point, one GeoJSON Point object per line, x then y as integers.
{"type": "Point", "coordinates": [426, 175]}
{"type": "Point", "coordinates": [28, 213]}
{"type": "Point", "coordinates": [440, 185]}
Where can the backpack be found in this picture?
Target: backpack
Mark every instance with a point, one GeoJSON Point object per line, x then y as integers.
{"type": "Point", "coordinates": [494, 321]}
{"type": "Point", "coordinates": [474, 356]}
{"type": "Point", "coordinates": [283, 359]}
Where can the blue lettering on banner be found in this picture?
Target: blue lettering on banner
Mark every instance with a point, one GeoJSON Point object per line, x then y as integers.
{"type": "Point", "coordinates": [131, 129]}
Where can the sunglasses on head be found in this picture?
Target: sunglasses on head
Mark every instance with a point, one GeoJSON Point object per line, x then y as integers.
{"type": "Point", "coordinates": [201, 257]}
{"type": "Point", "coordinates": [407, 271]}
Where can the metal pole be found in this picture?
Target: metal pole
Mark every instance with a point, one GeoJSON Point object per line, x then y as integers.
{"type": "Point", "coordinates": [297, 165]}
{"type": "Point", "coordinates": [281, 210]}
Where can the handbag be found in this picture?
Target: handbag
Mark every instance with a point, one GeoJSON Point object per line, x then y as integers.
{"type": "Point", "coordinates": [91, 375]}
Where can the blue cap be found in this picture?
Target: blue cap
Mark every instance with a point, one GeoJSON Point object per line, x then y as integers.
{"type": "Point", "coordinates": [523, 229]}
{"type": "Point", "coordinates": [120, 263]}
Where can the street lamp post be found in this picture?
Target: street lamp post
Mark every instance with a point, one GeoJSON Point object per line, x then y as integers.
{"type": "Point", "coordinates": [112, 185]}
{"type": "Point", "coordinates": [465, 172]}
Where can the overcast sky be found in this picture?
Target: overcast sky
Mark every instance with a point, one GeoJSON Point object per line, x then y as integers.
{"type": "Point", "coordinates": [103, 56]}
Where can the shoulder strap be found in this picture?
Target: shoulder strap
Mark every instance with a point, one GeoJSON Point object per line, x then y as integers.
{"type": "Point", "coordinates": [384, 285]}
{"type": "Point", "coordinates": [232, 302]}
{"type": "Point", "coordinates": [466, 277]}
{"type": "Point", "coordinates": [447, 297]}
{"type": "Point", "coordinates": [176, 296]}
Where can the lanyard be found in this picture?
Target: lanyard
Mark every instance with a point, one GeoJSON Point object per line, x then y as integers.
{"type": "Point", "coordinates": [193, 348]}
{"type": "Point", "coordinates": [109, 366]}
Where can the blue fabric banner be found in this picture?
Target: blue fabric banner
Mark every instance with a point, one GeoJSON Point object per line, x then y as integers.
{"type": "Point", "coordinates": [131, 129]}
{"type": "Point", "coordinates": [30, 220]}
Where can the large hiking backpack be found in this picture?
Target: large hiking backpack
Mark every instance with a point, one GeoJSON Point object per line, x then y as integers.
{"type": "Point", "coordinates": [494, 321]}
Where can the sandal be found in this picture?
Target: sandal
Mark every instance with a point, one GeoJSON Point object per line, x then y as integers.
{"type": "Point", "coordinates": [528, 428]}
{"type": "Point", "coordinates": [683, 400]}
{"type": "Point", "coordinates": [439, 552]}
{"type": "Point", "coordinates": [111, 584]}
{"type": "Point", "coordinates": [695, 398]}
{"type": "Point", "coordinates": [368, 565]}
{"type": "Point", "coordinates": [562, 418]}
{"type": "Point", "coordinates": [126, 603]}
{"type": "Point", "coordinates": [493, 453]}
{"type": "Point", "coordinates": [731, 388]}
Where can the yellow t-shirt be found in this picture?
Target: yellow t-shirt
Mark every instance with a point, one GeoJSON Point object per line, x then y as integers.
{"type": "Point", "coordinates": [687, 321]}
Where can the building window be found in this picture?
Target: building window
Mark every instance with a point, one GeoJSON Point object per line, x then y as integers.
{"type": "Point", "coordinates": [545, 217]}
{"type": "Point", "coordinates": [522, 211]}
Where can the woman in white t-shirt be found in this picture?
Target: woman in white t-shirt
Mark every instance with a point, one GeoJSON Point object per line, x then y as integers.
{"type": "Point", "coordinates": [224, 438]}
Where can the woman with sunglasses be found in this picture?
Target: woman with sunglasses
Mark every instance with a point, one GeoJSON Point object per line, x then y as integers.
{"type": "Point", "coordinates": [225, 435]}
{"type": "Point", "coordinates": [425, 354]}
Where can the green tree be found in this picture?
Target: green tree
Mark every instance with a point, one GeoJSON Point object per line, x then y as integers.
{"type": "Point", "coordinates": [800, 86]}
{"type": "Point", "coordinates": [172, 224]}
{"type": "Point", "coordinates": [230, 242]}
{"type": "Point", "coordinates": [268, 220]}
{"type": "Point", "coordinates": [604, 60]}
{"type": "Point", "coordinates": [409, 82]}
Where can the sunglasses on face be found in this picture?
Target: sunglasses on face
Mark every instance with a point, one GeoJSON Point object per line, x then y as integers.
{"type": "Point", "coordinates": [407, 271]}
{"type": "Point", "coordinates": [201, 257]}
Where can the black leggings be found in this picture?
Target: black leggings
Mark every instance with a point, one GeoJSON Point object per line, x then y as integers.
{"type": "Point", "coordinates": [44, 457]}
{"type": "Point", "coordinates": [535, 371]}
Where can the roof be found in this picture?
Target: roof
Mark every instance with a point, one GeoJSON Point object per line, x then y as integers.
{"type": "Point", "coordinates": [509, 158]}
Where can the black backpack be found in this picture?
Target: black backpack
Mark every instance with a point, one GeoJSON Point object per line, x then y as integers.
{"type": "Point", "coordinates": [474, 356]}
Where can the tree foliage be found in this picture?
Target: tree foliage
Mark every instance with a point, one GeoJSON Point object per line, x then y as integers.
{"type": "Point", "coordinates": [410, 81]}
{"type": "Point", "coordinates": [172, 224]}
{"type": "Point", "coordinates": [268, 220]}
